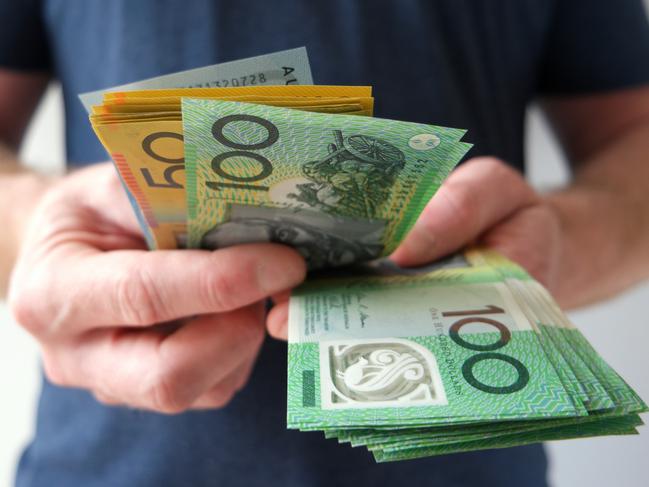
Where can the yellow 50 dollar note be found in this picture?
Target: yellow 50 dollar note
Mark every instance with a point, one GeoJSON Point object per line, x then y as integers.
{"type": "Point", "coordinates": [147, 147]}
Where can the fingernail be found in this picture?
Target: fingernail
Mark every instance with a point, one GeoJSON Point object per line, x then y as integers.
{"type": "Point", "coordinates": [279, 326]}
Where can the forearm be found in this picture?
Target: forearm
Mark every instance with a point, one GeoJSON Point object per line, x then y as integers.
{"type": "Point", "coordinates": [604, 216]}
{"type": "Point", "coordinates": [20, 190]}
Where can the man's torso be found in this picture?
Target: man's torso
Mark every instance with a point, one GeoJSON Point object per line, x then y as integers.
{"type": "Point", "coordinates": [462, 64]}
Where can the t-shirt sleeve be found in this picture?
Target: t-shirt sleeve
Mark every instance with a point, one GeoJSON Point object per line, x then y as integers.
{"type": "Point", "coordinates": [23, 37]}
{"type": "Point", "coordinates": [595, 45]}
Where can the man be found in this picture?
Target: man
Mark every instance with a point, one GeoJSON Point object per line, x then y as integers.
{"type": "Point", "coordinates": [127, 334]}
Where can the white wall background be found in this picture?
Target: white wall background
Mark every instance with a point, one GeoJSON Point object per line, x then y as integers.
{"type": "Point", "coordinates": [619, 330]}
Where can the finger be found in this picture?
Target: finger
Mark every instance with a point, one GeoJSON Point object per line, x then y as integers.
{"type": "Point", "coordinates": [281, 296]}
{"type": "Point", "coordinates": [220, 394]}
{"type": "Point", "coordinates": [153, 370]}
{"type": "Point", "coordinates": [203, 354]}
{"type": "Point", "coordinates": [217, 397]}
{"type": "Point", "coordinates": [532, 239]}
{"type": "Point", "coordinates": [223, 392]}
{"type": "Point", "coordinates": [139, 288]}
{"type": "Point", "coordinates": [106, 400]}
{"type": "Point", "coordinates": [107, 197]}
{"type": "Point", "coordinates": [476, 196]}
{"type": "Point", "coordinates": [92, 199]}
{"type": "Point", "coordinates": [277, 321]}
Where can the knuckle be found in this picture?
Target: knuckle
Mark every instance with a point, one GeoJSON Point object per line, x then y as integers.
{"type": "Point", "coordinates": [241, 382]}
{"type": "Point", "coordinates": [218, 290]}
{"type": "Point", "coordinates": [224, 398]}
{"type": "Point", "coordinates": [20, 307]}
{"type": "Point", "coordinates": [104, 399]}
{"type": "Point", "coordinates": [53, 371]}
{"type": "Point", "coordinates": [505, 175]}
{"type": "Point", "coordinates": [165, 392]}
{"type": "Point", "coordinates": [221, 396]}
{"type": "Point", "coordinates": [250, 329]}
{"type": "Point", "coordinates": [254, 333]}
{"type": "Point", "coordinates": [464, 202]}
{"type": "Point", "coordinates": [500, 171]}
{"type": "Point", "coordinates": [24, 303]}
{"type": "Point", "coordinates": [136, 297]}
{"type": "Point", "coordinates": [242, 378]}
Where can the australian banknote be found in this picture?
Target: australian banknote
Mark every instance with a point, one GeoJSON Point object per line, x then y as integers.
{"type": "Point", "coordinates": [278, 68]}
{"type": "Point", "coordinates": [469, 353]}
{"type": "Point", "coordinates": [338, 188]}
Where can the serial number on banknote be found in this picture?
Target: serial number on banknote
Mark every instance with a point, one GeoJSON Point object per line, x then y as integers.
{"type": "Point", "coordinates": [247, 80]}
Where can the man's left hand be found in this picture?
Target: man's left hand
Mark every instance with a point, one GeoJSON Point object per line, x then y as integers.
{"type": "Point", "coordinates": [483, 201]}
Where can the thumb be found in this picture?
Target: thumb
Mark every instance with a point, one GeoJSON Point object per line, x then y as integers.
{"type": "Point", "coordinates": [475, 197]}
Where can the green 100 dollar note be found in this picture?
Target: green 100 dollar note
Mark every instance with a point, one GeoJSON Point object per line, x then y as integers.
{"type": "Point", "coordinates": [338, 188]}
{"type": "Point", "coordinates": [450, 347]}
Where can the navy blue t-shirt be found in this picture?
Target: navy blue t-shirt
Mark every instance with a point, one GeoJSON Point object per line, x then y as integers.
{"type": "Point", "coordinates": [471, 64]}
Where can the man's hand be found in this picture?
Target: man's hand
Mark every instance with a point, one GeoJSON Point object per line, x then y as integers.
{"type": "Point", "coordinates": [165, 330]}
{"type": "Point", "coordinates": [487, 202]}
{"type": "Point", "coordinates": [483, 201]}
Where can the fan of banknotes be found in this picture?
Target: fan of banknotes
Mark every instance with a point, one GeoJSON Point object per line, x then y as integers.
{"type": "Point", "coordinates": [466, 354]}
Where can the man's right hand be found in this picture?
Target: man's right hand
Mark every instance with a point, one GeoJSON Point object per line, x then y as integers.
{"type": "Point", "coordinates": [165, 330]}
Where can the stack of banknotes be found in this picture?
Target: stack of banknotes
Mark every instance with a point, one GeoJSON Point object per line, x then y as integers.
{"type": "Point", "coordinates": [466, 354]}
{"type": "Point", "coordinates": [470, 353]}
